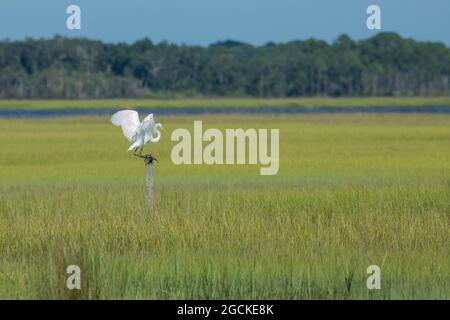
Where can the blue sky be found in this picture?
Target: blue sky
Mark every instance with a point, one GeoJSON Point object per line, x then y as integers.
{"type": "Point", "coordinates": [207, 21]}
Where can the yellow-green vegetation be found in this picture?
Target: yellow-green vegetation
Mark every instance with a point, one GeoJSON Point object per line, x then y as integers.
{"type": "Point", "coordinates": [228, 102]}
{"type": "Point", "coordinates": [352, 191]}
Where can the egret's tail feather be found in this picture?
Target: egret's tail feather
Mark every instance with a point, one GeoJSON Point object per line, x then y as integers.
{"type": "Point", "coordinates": [131, 148]}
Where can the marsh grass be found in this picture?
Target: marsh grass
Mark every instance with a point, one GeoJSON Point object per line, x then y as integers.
{"type": "Point", "coordinates": [229, 102]}
{"type": "Point", "coordinates": [353, 190]}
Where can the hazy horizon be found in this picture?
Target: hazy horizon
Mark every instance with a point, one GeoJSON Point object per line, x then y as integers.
{"type": "Point", "coordinates": [203, 22]}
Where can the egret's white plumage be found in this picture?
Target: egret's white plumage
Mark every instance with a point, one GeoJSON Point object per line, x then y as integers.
{"type": "Point", "coordinates": [137, 133]}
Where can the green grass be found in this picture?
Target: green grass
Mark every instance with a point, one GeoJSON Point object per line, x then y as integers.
{"type": "Point", "coordinates": [228, 102]}
{"type": "Point", "coordinates": [352, 191]}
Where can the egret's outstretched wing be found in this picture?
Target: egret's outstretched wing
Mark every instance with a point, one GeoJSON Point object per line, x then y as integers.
{"type": "Point", "coordinates": [128, 120]}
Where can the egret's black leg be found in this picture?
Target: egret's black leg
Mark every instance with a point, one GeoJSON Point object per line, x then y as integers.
{"type": "Point", "coordinates": [135, 149]}
{"type": "Point", "coordinates": [142, 148]}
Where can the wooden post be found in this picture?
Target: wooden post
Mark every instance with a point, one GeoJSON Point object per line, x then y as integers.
{"type": "Point", "coordinates": [149, 181]}
{"type": "Point", "coordinates": [148, 159]}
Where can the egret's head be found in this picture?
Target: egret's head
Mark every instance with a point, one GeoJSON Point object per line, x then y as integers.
{"type": "Point", "coordinates": [149, 117]}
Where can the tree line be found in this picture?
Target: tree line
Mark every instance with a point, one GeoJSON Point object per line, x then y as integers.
{"type": "Point", "coordinates": [383, 65]}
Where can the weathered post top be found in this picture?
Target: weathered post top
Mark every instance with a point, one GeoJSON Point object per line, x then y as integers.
{"type": "Point", "coordinates": [148, 158]}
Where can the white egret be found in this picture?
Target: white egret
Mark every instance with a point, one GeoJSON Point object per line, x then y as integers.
{"type": "Point", "coordinates": [137, 133]}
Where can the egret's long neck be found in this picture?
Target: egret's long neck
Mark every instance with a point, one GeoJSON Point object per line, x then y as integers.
{"type": "Point", "coordinates": [158, 132]}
